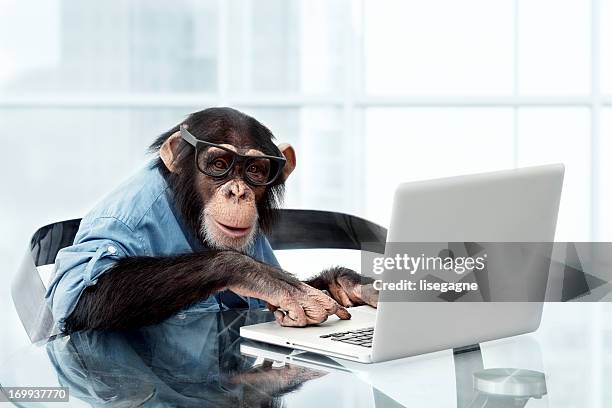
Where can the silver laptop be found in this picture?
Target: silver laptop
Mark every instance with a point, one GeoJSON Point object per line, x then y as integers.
{"type": "Point", "coordinates": [507, 206]}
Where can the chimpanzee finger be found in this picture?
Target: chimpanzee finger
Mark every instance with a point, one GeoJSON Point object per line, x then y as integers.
{"type": "Point", "coordinates": [332, 307]}
{"type": "Point", "coordinates": [271, 307]}
{"type": "Point", "coordinates": [369, 295]}
{"type": "Point", "coordinates": [284, 320]}
{"type": "Point", "coordinates": [352, 290]}
{"type": "Point", "coordinates": [279, 315]}
{"type": "Point", "coordinates": [294, 315]}
{"type": "Point", "coordinates": [329, 304]}
{"type": "Point", "coordinates": [315, 314]}
{"type": "Point", "coordinates": [342, 313]}
{"type": "Point", "coordinates": [339, 295]}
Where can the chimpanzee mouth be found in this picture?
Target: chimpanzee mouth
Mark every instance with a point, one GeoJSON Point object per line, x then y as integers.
{"type": "Point", "coordinates": [234, 232]}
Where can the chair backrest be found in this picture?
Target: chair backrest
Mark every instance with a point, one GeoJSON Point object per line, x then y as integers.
{"type": "Point", "coordinates": [295, 229]}
{"type": "Point", "coordinates": [27, 289]}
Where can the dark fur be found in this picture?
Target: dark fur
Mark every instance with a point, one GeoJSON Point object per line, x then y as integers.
{"type": "Point", "coordinates": [337, 273]}
{"type": "Point", "coordinates": [139, 291]}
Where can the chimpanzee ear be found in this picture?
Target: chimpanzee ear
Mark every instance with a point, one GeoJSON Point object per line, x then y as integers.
{"type": "Point", "coordinates": [287, 150]}
{"type": "Point", "coordinates": [169, 152]}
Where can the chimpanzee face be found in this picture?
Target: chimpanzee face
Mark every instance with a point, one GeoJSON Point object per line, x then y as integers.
{"type": "Point", "coordinates": [229, 218]}
{"type": "Point", "coordinates": [226, 184]}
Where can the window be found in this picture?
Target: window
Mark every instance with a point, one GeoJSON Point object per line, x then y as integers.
{"type": "Point", "coordinates": [436, 88]}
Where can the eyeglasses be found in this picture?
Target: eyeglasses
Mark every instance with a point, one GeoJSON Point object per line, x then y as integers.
{"type": "Point", "coordinates": [218, 161]}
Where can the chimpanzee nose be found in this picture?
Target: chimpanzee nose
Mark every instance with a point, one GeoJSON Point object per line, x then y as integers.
{"type": "Point", "coordinates": [236, 189]}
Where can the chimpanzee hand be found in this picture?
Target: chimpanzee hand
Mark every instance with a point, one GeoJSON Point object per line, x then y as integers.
{"type": "Point", "coordinates": [266, 381]}
{"type": "Point", "coordinates": [346, 286]}
{"type": "Point", "coordinates": [294, 303]}
{"type": "Point", "coordinates": [305, 305]}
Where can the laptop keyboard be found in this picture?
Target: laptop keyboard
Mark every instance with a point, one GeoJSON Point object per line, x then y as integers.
{"type": "Point", "coordinates": [361, 337]}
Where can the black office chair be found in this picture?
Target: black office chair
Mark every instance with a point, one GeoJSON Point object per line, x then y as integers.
{"type": "Point", "coordinates": [296, 229]}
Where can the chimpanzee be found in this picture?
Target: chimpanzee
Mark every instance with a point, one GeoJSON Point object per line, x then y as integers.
{"type": "Point", "coordinates": [186, 234]}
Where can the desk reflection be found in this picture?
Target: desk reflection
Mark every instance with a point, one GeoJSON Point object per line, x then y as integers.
{"type": "Point", "coordinates": [196, 360]}
{"type": "Point", "coordinates": [193, 360]}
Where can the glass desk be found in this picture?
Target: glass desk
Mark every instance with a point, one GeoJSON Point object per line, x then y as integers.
{"type": "Point", "coordinates": [200, 360]}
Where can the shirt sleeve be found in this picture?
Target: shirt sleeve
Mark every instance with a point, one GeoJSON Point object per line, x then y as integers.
{"type": "Point", "coordinates": [97, 246]}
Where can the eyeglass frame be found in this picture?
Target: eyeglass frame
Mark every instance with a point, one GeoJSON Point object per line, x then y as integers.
{"type": "Point", "coordinates": [237, 158]}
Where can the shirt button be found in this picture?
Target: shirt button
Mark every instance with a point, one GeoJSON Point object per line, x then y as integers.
{"type": "Point", "coordinates": [181, 316]}
{"type": "Point", "coordinates": [111, 249]}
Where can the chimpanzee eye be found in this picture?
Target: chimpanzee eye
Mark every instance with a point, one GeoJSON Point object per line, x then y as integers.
{"type": "Point", "coordinates": [258, 170]}
{"type": "Point", "coordinates": [220, 164]}
{"type": "Point", "coordinates": [215, 162]}
{"type": "Point", "coordinates": [254, 169]}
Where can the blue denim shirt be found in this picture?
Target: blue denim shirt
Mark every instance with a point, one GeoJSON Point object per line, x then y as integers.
{"type": "Point", "coordinates": [137, 219]}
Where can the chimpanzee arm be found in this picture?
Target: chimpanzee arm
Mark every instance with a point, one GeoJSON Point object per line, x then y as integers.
{"type": "Point", "coordinates": [138, 291]}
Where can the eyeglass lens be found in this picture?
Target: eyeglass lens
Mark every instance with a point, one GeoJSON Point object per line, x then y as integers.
{"type": "Point", "coordinates": [216, 162]}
